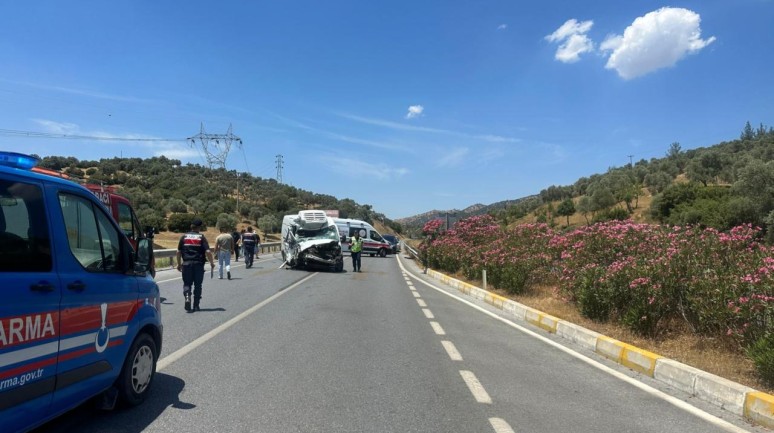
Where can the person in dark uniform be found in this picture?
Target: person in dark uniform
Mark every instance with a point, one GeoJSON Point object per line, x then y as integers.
{"type": "Point", "coordinates": [192, 252]}
{"type": "Point", "coordinates": [237, 242]}
{"type": "Point", "coordinates": [249, 240]}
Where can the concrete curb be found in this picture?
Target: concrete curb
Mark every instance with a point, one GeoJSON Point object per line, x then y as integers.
{"type": "Point", "coordinates": [756, 406]}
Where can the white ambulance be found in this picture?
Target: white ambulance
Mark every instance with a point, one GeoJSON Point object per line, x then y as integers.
{"type": "Point", "coordinates": [373, 243]}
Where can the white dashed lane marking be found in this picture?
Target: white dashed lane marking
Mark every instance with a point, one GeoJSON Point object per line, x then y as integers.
{"type": "Point", "coordinates": [500, 426]}
{"type": "Point", "coordinates": [421, 303]}
{"type": "Point", "coordinates": [437, 328]}
{"type": "Point", "coordinates": [428, 313]}
{"type": "Point", "coordinates": [416, 294]}
{"type": "Point", "coordinates": [475, 387]}
{"type": "Point", "coordinates": [451, 350]}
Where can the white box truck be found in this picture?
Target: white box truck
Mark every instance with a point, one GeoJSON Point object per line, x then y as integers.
{"type": "Point", "coordinates": [311, 239]}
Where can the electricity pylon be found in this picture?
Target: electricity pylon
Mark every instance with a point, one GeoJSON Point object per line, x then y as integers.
{"type": "Point", "coordinates": [215, 146]}
{"type": "Point", "coordinates": [280, 165]}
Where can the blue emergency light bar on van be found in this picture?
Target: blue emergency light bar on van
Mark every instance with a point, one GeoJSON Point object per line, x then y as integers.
{"type": "Point", "coordinates": [18, 160]}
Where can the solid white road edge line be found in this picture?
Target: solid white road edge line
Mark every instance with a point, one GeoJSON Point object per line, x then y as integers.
{"type": "Point", "coordinates": [712, 419]}
{"type": "Point", "coordinates": [179, 353]}
{"type": "Point", "coordinates": [475, 387]}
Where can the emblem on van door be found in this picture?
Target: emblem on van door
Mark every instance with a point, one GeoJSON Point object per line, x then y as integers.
{"type": "Point", "coordinates": [104, 332]}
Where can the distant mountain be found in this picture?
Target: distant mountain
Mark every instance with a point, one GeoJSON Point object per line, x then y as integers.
{"type": "Point", "coordinates": [413, 224]}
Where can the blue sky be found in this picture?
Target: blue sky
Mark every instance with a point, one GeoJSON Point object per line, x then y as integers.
{"type": "Point", "coordinates": [408, 106]}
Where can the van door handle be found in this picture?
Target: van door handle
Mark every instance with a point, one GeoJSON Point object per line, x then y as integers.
{"type": "Point", "coordinates": [42, 287]}
{"type": "Point", "coordinates": [76, 286]}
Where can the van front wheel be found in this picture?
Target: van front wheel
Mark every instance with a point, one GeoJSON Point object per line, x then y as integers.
{"type": "Point", "coordinates": [138, 371]}
{"type": "Point", "coordinates": [382, 252]}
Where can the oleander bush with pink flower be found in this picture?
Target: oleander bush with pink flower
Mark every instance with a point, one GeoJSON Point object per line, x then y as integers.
{"type": "Point", "coordinates": [647, 277]}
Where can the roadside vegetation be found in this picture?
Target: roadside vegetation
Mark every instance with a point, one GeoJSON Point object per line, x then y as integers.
{"type": "Point", "coordinates": [676, 249]}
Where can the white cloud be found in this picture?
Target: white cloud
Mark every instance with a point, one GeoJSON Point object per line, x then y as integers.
{"type": "Point", "coordinates": [54, 127]}
{"type": "Point", "coordinates": [654, 41]}
{"type": "Point", "coordinates": [453, 158]}
{"type": "Point", "coordinates": [405, 127]}
{"type": "Point", "coordinates": [175, 151]}
{"type": "Point", "coordinates": [572, 39]}
{"type": "Point", "coordinates": [573, 47]}
{"type": "Point", "coordinates": [569, 28]}
{"type": "Point", "coordinates": [414, 111]}
{"type": "Point", "coordinates": [357, 168]}
{"type": "Point", "coordinates": [502, 27]}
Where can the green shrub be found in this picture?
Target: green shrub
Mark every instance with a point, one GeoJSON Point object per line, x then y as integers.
{"type": "Point", "coordinates": [227, 222]}
{"type": "Point", "coordinates": [762, 354]}
{"type": "Point", "coordinates": [181, 222]}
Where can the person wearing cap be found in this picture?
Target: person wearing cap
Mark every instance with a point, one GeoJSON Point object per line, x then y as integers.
{"type": "Point", "coordinates": [193, 252]}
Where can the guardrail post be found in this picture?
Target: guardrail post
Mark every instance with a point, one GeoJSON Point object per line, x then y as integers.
{"type": "Point", "coordinates": [483, 275]}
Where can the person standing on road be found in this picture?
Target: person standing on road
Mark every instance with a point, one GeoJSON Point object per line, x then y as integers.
{"type": "Point", "coordinates": [236, 236]}
{"type": "Point", "coordinates": [355, 249]}
{"type": "Point", "coordinates": [192, 252]}
{"type": "Point", "coordinates": [257, 244]}
{"type": "Point", "coordinates": [249, 240]}
{"type": "Point", "coordinates": [242, 245]}
{"type": "Point", "coordinates": [224, 246]}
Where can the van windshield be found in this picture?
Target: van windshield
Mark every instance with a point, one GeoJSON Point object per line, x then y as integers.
{"type": "Point", "coordinates": [323, 233]}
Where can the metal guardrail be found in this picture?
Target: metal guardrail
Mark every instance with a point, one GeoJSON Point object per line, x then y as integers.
{"type": "Point", "coordinates": [413, 252]}
{"type": "Point", "coordinates": [167, 257]}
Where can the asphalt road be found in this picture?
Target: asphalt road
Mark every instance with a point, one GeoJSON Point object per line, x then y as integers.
{"type": "Point", "coordinates": [385, 350]}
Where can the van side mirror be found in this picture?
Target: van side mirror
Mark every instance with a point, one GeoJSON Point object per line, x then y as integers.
{"type": "Point", "coordinates": [143, 256]}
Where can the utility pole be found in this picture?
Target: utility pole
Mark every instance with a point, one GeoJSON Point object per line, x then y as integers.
{"type": "Point", "coordinates": [279, 165]}
{"type": "Point", "coordinates": [630, 161]}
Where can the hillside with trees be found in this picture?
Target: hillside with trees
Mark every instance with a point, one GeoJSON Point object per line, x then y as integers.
{"type": "Point", "coordinates": [720, 187]}
{"type": "Point", "coordinates": [165, 193]}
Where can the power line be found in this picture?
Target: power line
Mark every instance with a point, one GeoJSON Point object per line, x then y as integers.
{"type": "Point", "coordinates": [35, 134]}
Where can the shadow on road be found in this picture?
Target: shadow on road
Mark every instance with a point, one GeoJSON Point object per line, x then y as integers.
{"type": "Point", "coordinates": [87, 418]}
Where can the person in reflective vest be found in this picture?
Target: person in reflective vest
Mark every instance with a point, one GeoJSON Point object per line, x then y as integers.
{"type": "Point", "coordinates": [355, 249]}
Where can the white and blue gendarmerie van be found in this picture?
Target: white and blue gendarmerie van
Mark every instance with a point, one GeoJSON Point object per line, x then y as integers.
{"type": "Point", "coordinates": [80, 314]}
